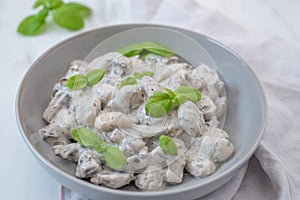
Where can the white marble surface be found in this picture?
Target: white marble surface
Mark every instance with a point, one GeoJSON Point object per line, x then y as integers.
{"type": "Point", "coordinates": [20, 176]}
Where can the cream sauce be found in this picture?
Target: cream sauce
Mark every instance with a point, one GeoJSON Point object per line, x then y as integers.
{"type": "Point", "coordinates": [118, 116]}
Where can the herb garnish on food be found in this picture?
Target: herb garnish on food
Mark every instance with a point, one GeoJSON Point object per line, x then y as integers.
{"type": "Point", "coordinates": [67, 15]}
{"type": "Point", "coordinates": [160, 103]}
{"type": "Point", "coordinates": [144, 48]}
{"type": "Point", "coordinates": [168, 145]}
{"type": "Point", "coordinates": [80, 81]}
{"type": "Point", "coordinates": [113, 157]}
{"type": "Point", "coordinates": [132, 80]}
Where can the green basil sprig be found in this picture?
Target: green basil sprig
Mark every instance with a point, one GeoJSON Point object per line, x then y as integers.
{"type": "Point", "coordinates": [146, 47]}
{"type": "Point", "coordinates": [168, 145]}
{"type": "Point", "coordinates": [67, 15]}
{"type": "Point", "coordinates": [160, 103]}
{"type": "Point", "coordinates": [133, 80]}
{"type": "Point", "coordinates": [95, 76]}
{"type": "Point", "coordinates": [113, 157]}
{"type": "Point", "coordinates": [80, 81]}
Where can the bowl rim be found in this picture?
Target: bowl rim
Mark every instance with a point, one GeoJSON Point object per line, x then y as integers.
{"type": "Point", "coordinates": [111, 191]}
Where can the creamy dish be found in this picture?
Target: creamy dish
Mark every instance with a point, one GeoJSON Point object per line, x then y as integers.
{"type": "Point", "coordinates": [115, 111]}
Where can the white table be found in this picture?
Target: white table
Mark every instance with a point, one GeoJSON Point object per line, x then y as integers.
{"type": "Point", "coordinates": [20, 175]}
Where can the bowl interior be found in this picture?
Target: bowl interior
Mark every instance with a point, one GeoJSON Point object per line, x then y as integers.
{"type": "Point", "coordinates": [245, 116]}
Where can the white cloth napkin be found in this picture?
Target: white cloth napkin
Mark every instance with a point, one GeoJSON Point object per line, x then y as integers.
{"type": "Point", "coordinates": [274, 171]}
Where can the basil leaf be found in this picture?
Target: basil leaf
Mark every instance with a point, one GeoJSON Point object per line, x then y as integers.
{"type": "Point", "coordinates": [141, 75]}
{"type": "Point", "coordinates": [180, 99]}
{"type": "Point", "coordinates": [185, 93]}
{"type": "Point", "coordinates": [42, 14]}
{"type": "Point", "coordinates": [138, 75]}
{"type": "Point", "coordinates": [76, 82]}
{"type": "Point", "coordinates": [37, 4]}
{"type": "Point", "coordinates": [136, 49]}
{"type": "Point", "coordinates": [133, 53]}
{"type": "Point", "coordinates": [34, 24]}
{"type": "Point", "coordinates": [148, 73]}
{"type": "Point", "coordinates": [94, 76]}
{"type": "Point", "coordinates": [127, 81]}
{"type": "Point", "coordinates": [67, 18]}
{"type": "Point", "coordinates": [168, 145]}
{"type": "Point", "coordinates": [158, 49]}
{"type": "Point", "coordinates": [79, 8]}
{"type": "Point", "coordinates": [114, 157]}
{"type": "Point", "coordinates": [131, 50]}
{"type": "Point", "coordinates": [170, 92]}
{"type": "Point", "coordinates": [53, 4]}
{"type": "Point", "coordinates": [88, 138]}
{"type": "Point", "coordinates": [158, 105]}
{"type": "Point", "coordinates": [31, 26]}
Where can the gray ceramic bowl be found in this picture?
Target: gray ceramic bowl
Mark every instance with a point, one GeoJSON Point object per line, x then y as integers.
{"type": "Point", "coordinates": [245, 119]}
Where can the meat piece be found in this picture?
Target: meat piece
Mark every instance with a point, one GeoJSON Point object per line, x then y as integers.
{"type": "Point", "coordinates": [191, 119]}
{"type": "Point", "coordinates": [54, 135]}
{"type": "Point", "coordinates": [171, 126]}
{"type": "Point", "coordinates": [58, 132]}
{"type": "Point", "coordinates": [136, 61]}
{"type": "Point", "coordinates": [112, 180]}
{"type": "Point", "coordinates": [174, 172]}
{"type": "Point", "coordinates": [180, 66]}
{"type": "Point", "coordinates": [76, 66]}
{"type": "Point", "coordinates": [103, 93]}
{"type": "Point", "coordinates": [69, 151]}
{"type": "Point", "coordinates": [118, 66]}
{"type": "Point", "coordinates": [104, 61]}
{"type": "Point", "coordinates": [151, 180]}
{"type": "Point", "coordinates": [200, 167]}
{"type": "Point", "coordinates": [136, 162]}
{"type": "Point", "coordinates": [128, 97]}
{"type": "Point", "coordinates": [146, 126]}
{"type": "Point", "coordinates": [195, 79]}
{"type": "Point", "coordinates": [215, 147]}
{"type": "Point", "coordinates": [148, 85]}
{"type": "Point", "coordinates": [207, 106]}
{"type": "Point", "coordinates": [217, 132]}
{"type": "Point", "coordinates": [214, 84]}
{"type": "Point", "coordinates": [85, 112]}
{"type": "Point", "coordinates": [117, 135]}
{"type": "Point", "coordinates": [88, 164]}
{"type": "Point", "coordinates": [159, 158]}
{"type": "Point", "coordinates": [60, 100]}
{"type": "Point", "coordinates": [179, 78]}
{"type": "Point", "coordinates": [64, 119]}
{"type": "Point", "coordinates": [223, 149]}
{"type": "Point", "coordinates": [111, 120]}
{"type": "Point", "coordinates": [131, 146]}
{"type": "Point", "coordinates": [162, 72]}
